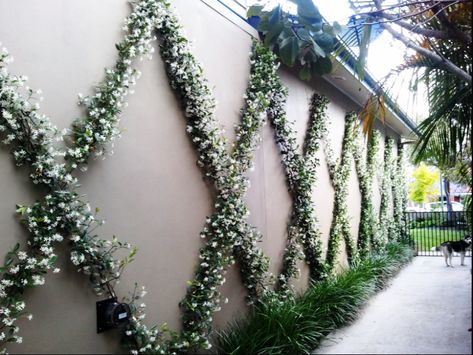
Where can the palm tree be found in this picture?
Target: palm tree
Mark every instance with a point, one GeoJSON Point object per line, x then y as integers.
{"type": "Point", "coordinates": [445, 135]}
{"type": "Point", "coordinates": [440, 33]}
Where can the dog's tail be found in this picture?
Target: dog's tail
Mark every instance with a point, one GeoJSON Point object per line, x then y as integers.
{"type": "Point", "coordinates": [435, 248]}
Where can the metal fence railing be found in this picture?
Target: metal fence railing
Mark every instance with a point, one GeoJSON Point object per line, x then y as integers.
{"type": "Point", "coordinates": [428, 230]}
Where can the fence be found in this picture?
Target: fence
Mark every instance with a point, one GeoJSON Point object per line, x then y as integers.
{"type": "Point", "coordinates": [428, 230]}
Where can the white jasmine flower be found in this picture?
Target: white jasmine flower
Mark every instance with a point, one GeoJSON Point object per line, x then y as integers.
{"type": "Point", "coordinates": [15, 269]}
{"type": "Point", "coordinates": [57, 237]}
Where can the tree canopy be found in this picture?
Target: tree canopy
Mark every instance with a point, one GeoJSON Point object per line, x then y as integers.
{"type": "Point", "coordinates": [423, 184]}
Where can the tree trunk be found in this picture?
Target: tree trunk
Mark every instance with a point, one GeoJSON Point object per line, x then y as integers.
{"type": "Point", "coordinates": [450, 218]}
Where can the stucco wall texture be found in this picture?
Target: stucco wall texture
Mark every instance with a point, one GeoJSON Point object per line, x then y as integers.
{"type": "Point", "coordinates": [150, 192]}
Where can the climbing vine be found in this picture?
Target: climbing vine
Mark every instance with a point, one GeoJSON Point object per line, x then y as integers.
{"type": "Point", "coordinates": [365, 164]}
{"type": "Point", "coordinates": [400, 195]}
{"type": "Point", "coordinates": [339, 171]}
{"type": "Point", "coordinates": [304, 239]}
{"type": "Point", "coordinates": [62, 213]}
{"type": "Point", "coordinates": [386, 221]}
{"type": "Point", "coordinates": [91, 134]}
{"type": "Point", "coordinates": [229, 237]}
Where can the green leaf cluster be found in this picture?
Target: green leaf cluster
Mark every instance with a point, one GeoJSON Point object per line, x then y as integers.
{"type": "Point", "coordinates": [301, 40]}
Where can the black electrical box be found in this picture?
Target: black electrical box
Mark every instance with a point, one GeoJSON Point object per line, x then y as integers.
{"type": "Point", "coordinates": [111, 314]}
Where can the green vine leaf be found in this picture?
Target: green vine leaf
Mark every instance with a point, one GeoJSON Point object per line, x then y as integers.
{"type": "Point", "coordinates": [275, 15]}
{"type": "Point", "coordinates": [304, 73]}
{"type": "Point", "coordinates": [308, 13]}
{"type": "Point", "coordinates": [324, 66]}
{"type": "Point", "coordinates": [319, 51]}
{"type": "Point", "coordinates": [325, 41]}
{"type": "Point", "coordinates": [21, 209]}
{"type": "Point", "coordinates": [289, 50]}
{"type": "Point", "coordinates": [300, 40]}
{"type": "Point", "coordinates": [272, 34]}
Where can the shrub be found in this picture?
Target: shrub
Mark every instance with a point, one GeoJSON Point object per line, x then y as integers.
{"type": "Point", "coordinates": [278, 325]}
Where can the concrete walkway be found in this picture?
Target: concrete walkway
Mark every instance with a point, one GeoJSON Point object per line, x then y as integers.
{"type": "Point", "coordinates": [425, 310]}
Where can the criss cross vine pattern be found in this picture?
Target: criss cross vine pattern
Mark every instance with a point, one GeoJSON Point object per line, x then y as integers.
{"type": "Point", "coordinates": [303, 234]}
{"type": "Point", "coordinates": [89, 135]}
{"type": "Point", "coordinates": [63, 211]}
{"type": "Point", "coordinates": [365, 165]}
{"type": "Point", "coordinates": [230, 238]}
{"type": "Point", "coordinates": [386, 220]}
{"type": "Point", "coordinates": [339, 171]}
{"type": "Point", "coordinates": [393, 194]}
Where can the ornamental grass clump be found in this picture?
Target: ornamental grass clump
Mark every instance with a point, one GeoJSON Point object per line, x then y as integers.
{"type": "Point", "coordinates": [274, 326]}
{"type": "Point", "coordinates": [297, 325]}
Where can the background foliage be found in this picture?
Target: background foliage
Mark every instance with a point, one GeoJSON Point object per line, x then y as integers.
{"type": "Point", "coordinates": [423, 184]}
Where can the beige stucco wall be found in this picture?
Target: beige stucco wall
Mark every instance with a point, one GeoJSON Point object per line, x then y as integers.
{"type": "Point", "coordinates": [150, 191]}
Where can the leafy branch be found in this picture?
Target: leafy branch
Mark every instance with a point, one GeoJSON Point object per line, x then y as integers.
{"type": "Point", "coordinates": [302, 40]}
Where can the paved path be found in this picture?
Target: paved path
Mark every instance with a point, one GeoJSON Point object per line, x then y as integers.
{"type": "Point", "coordinates": [425, 310]}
